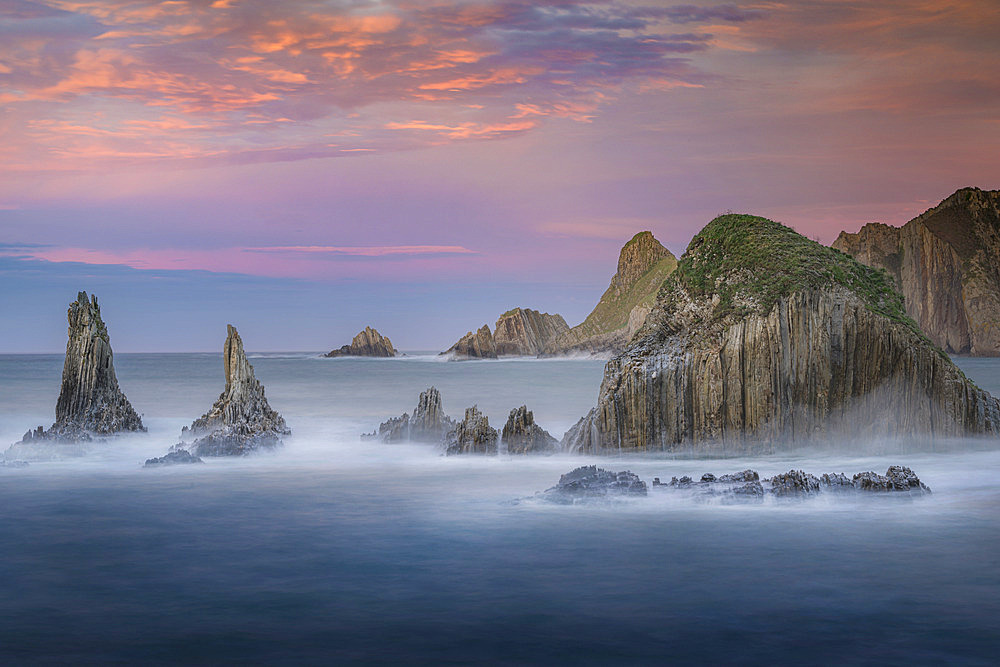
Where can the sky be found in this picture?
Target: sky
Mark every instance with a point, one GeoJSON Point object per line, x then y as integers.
{"type": "Point", "coordinates": [304, 168]}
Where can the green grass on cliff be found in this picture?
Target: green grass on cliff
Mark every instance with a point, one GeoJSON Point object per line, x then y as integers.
{"type": "Point", "coordinates": [611, 312]}
{"type": "Point", "coordinates": [750, 262]}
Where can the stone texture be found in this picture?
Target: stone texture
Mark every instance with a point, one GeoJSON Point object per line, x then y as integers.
{"type": "Point", "coordinates": [368, 343]}
{"type": "Point", "coordinates": [177, 457]}
{"type": "Point", "coordinates": [745, 485]}
{"type": "Point", "coordinates": [90, 402]}
{"type": "Point", "coordinates": [896, 478]}
{"type": "Point", "coordinates": [719, 366]}
{"type": "Point", "coordinates": [473, 435]}
{"type": "Point", "coordinates": [794, 483]}
{"type": "Point", "coordinates": [946, 263]}
{"type": "Point", "coordinates": [478, 345]}
{"type": "Point", "coordinates": [590, 483]}
{"type": "Point", "coordinates": [241, 421]}
{"type": "Point", "coordinates": [429, 423]}
{"type": "Point", "coordinates": [643, 265]}
{"type": "Point", "coordinates": [521, 435]}
{"type": "Point", "coordinates": [525, 332]}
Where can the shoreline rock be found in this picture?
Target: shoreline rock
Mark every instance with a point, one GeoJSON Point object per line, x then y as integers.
{"type": "Point", "coordinates": [178, 457]}
{"type": "Point", "coordinates": [473, 435]}
{"type": "Point", "coordinates": [368, 343]}
{"type": "Point", "coordinates": [521, 435]}
{"type": "Point", "coordinates": [429, 423]}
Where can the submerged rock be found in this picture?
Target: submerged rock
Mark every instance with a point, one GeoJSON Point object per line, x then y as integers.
{"type": "Point", "coordinates": [521, 435]}
{"type": "Point", "coordinates": [473, 435]}
{"type": "Point", "coordinates": [90, 403]}
{"type": "Point", "coordinates": [368, 343]}
{"type": "Point", "coordinates": [763, 336]}
{"type": "Point", "coordinates": [478, 345]}
{"type": "Point", "coordinates": [591, 482]}
{"type": "Point", "coordinates": [180, 456]}
{"type": "Point", "coordinates": [429, 423]}
{"type": "Point", "coordinates": [241, 421]}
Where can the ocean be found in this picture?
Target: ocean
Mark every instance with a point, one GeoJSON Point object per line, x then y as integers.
{"type": "Point", "coordinates": [334, 550]}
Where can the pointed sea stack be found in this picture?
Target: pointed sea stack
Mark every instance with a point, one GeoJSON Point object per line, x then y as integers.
{"type": "Point", "coordinates": [428, 424]}
{"type": "Point", "coordinates": [521, 435]}
{"type": "Point", "coordinates": [478, 345]}
{"type": "Point", "coordinates": [90, 402]}
{"type": "Point", "coordinates": [762, 340]}
{"type": "Point", "coordinates": [473, 435]}
{"type": "Point", "coordinates": [368, 343]}
{"type": "Point", "coordinates": [241, 421]}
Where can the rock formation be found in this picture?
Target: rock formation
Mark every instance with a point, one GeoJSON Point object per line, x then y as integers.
{"type": "Point", "coordinates": [946, 263]}
{"type": "Point", "coordinates": [521, 435]}
{"type": "Point", "coordinates": [643, 265]}
{"type": "Point", "coordinates": [90, 402]}
{"type": "Point", "coordinates": [524, 332]}
{"type": "Point", "coordinates": [368, 343]}
{"type": "Point", "coordinates": [478, 345]}
{"type": "Point", "coordinates": [429, 423]}
{"type": "Point", "coordinates": [473, 435]}
{"type": "Point", "coordinates": [588, 483]}
{"type": "Point", "coordinates": [241, 421]}
{"type": "Point", "coordinates": [762, 339]}
{"type": "Point", "coordinates": [177, 457]}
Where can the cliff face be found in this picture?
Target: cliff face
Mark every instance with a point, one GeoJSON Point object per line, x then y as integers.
{"type": "Point", "coordinates": [429, 423]}
{"type": "Point", "coordinates": [526, 332]}
{"type": "Point", "coordinates": [472, 435]}
{"type": "Point", "coordinates": [643, 265]}
{"type": "Point", "coordinates": [368, 343]}
{"type": "Point", "coordinates": [521, 435]}
{"type": "Point", "coordinates": [241, 420]}
{"type": "Point", "coordinates": [946, 263]}
{"type": "Point", "coordinates": [478, 345]}
{"type": "Point", "coordinates": [763, 339]}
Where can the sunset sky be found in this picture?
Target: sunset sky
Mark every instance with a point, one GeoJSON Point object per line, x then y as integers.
{"type": "Point", "coordinates": [302, 169]}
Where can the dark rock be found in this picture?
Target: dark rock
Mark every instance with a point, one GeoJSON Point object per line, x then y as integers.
{"type": "Point", "coordinates": [897, 478]}
{"type": "Point", "coordinates": [522, 435]}
{"type": "Point", "coordinates": [473, 435]}
{"type": "Point", "coordinates": [794, 483]}
{"type": "Point", "coordinates": [478, 345]}
{"type": "Point", "coordinates": [429, 423]}
{"type": "Point", "coordinates": [590, 482]}
{"type": "Point", "coordinates": [683, 481]}
{"type": "Point", "coordinates": [836, 481]}
{"type": "Point", "coordinates": [176, 457]}
{"type": "Point", "coordinates": [742, 476]}
{"type": "Point", "coordinates": [368, 343]}
{"type": "Point", "coordinates": [707, 478]}
{"type": "Point", "coordinates": [749, 489]}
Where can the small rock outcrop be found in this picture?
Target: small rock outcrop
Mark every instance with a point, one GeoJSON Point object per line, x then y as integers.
{"type": "Point", "coordinates": [946, 263]}
{"type": "Point", "coordinates": [745, 485]}
{"type": "Point", "coordinates": [478, 345]}
{"type": "Point", "coordinates": [896, 478]}
{"type": "Point", "coordinates": [368, 343]}
{"type": "Point", "coordinates": [473, 435]}
{"type": "Point", "coordinates": [643, 265]}
{"type": "Point", "coordinates": [241, 421]}
{"type": "Point", "coordinates": [794, 483]}
{"type": "Point", "coordinates": [763, 339]}
{"type": "Point", "coordinates": [523, 332]}
{"type": "Point", "coordinates": [521, 435]}
{"type": "Point", "coordinates": [429, 423]}
{"type": "Point", "coordinates": [90, 402]}
{"type": "Point", "coordinates": [177, 457]}
{"type": "Point", "coordinates": [588, 483]}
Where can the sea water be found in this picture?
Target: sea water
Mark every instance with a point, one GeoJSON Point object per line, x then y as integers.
{"type": "Point", "coordinates": [336, 550]}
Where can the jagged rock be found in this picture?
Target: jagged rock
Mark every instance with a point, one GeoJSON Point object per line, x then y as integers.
{"type": "Point", "coordinates": [762, 337]}
{"type": "Point", "coordinates": [241, 421]}
{"type": "Point", "coordinates": [180, 456]}
{"type": "Point", "coordinates": [794, 483]}
{"type": "Point", "coordinates": [749, 490]}
{"type": "Point", "coordinates": [707, 478]}
{"type": "Point", "coordinates": [473, 435]}
{"type": "Point", "coordinates": [742, 476]}
{"type": "Point", "coordinates": [946, 263]}
{"type": "Point", "coordinates": [526, 332]}
{"type": "Point", "coordinates": [591, 482]}
{"type": "Point", "coordinates": [394, 429]}
{"type": "Point", "coordinates": [836, 481]}
{"type": "Point", "coordinates": [478, 345]}
{"type": "Point", "coordinates": [521, 435]}
{"type": "Point", "coordinates": [643, 265]}
{"type": "Point", "coordinates": [897, 478]}
{"type": "Point", "coordinates": [368, 343]}
{"type": "Point", "coordinates": [429, 423]}
{"type": "Point", "coordinates": [90, 402]}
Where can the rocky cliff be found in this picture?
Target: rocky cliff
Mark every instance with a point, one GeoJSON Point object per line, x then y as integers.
{"type": "Point", "coordinates": [478, 345]}
{"type": "Point", "coordinates": [241, 421]}
{"type": "Point", "coordinates": [521, 435]}
{"type": "Point", "coordinates": [525, 332]}
{"type": "Point", "coordinates": [763, 339]}
{"type": "Point", "coordinates": [90, 401]}
{"type": "Point", "coordinates": [472, 435]}
{"type": "Point", "coordinates": [368, 343]}
{"type": "Point", "coordinates": [643, 265]}
{"type": "Point", "coordinates": [429, 423]}
{"type": "Point", "coordinates": [946, 263]}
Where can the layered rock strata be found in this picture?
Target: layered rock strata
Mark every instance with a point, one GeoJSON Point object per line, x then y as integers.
{"type": "Point", "coordinates": [473, 435]}
{"type": "Point", "coordinates": [241, 421]}
{"type": "Point", "coordinates": [429, 423]}
{"type": "Point", "coordinates": [478, 345]}
{"type": "Point", "coordinates": [526, 332]}
{"type": "Point", "coordinates": [368, 343]}
{"type": "Point", "coordinates": [521, 435]}
{"type": "Point", "coordinates": [946, 263]}
{"type": "Point", "coordinates": [762, 340]}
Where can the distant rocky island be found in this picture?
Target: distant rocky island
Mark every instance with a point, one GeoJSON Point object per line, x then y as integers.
{"type": "Point", "coordinates": [946, 263]}
{"type": "Point", "coordinates": [91, 404]}
{"type": "Point", "coordinates": [368, 343]}
{"type": "Point", "coordinates": [762, 338]}
{"type": "Point", "coordinates": [519, 332]}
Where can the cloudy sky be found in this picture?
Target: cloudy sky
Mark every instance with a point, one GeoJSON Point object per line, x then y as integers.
{"type": "Point", "coordinates": [304, 168]}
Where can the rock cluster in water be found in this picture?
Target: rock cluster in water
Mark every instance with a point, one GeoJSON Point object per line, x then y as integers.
{"type": "Point", "coordinates": [590, 483]}
{"type": "Point", "coordinates": [946, 263]}
{"type": "Point", "coordinates": [241, 421]}
{"type": "Point", "coordinates": [176, 457]}
{"type": "Point", "coordinates": [474, 345]}
{"type": "Point", "coordinates": [368, 343]}
{"type": "Point", "coordinates": [472, 435]}
{"type": "Point", "coordinates": [429, 423]}
{"type": "Point", "coordinates": [90, 402]}
{"type": "Point", "coordinates": [762, 336]}
{"type": "Point", "coordinates": [521, 435]}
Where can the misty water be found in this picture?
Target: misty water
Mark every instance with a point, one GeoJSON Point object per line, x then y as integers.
{"type": "Point", "coordinates": [333, 549]}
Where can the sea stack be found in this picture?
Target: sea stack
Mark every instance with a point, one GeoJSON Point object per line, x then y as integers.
{"type": "Point", "coordinates": [429, 423]}
{"type": "Point", "coordinates": [90, 402]}
{"type": "Point", "coordinates": [643, 265]}
{"type": "Point", "coordinates": [478, 345]}
{"type": "Point", "coordinates": [762, 338]}
{"type": "Point", "coordinates": [241, 421]}
{"type": "Point", "coordinates": [525, 332]}
{"type": "Point", "coordinates": [521, 435]}
{"type": "Point", "coordinates": [473, 435]}
{"type": "Point", "coordinates": [946, 263]}
{"type": "Point", "coordinates": [368, 343]}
